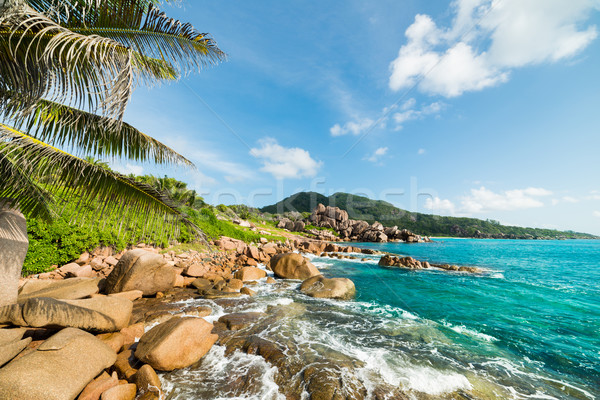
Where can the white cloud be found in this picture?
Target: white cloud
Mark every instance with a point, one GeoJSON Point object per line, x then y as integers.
{"type": "Point", "coordinates": [596, 214]}
{"type": "Point", "coordinates": [283, 162]}
{"type": "Point", "coordinates": [484, 200]}
{"type": "Point", "coordinates": [421, 152]}
{"type": "Point", "coordinates": [129, 169]}
{"type": "Point", "coordinates": [377, 154]}
{"type": "Point", "coordinates": [445, 61]}
{"type": "Point", "coordinates": [438, 205]}
{"type": "Point", "coordinates": [353, 127]}
{"type": "Point", "coordinates": [408, 111]}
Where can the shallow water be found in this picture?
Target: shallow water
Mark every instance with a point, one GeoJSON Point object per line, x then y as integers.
{"type": "Point", "coordinates": [529, 327]}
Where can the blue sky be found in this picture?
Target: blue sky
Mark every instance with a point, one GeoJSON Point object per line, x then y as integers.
{"type": "Point", "coordinates": [479, 108]}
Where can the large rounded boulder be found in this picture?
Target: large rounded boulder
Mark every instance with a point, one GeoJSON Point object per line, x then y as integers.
{"type": "Point", "coordinates": [141, 270]}
{"type": "Point", "coordinates": [293, 266]}
{"type": "Point", "coordinates": [328, 288]}
{"type": "Point", "coordinates": [177, 343]}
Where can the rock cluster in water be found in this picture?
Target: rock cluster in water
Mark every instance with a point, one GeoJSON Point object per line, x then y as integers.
{"type": "Point", "coordinates": [412, 263]}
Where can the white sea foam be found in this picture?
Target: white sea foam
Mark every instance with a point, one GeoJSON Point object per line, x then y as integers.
{"type": "Point", "coordinates": [211, 379]}
{"type": "Point", "coordinates": [469, 332]}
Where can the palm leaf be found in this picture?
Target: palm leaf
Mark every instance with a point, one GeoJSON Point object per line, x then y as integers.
{"type": "Point", "coordinates": [75, 68]}
{"type": "Point", "coordinates": [72, 178]}
{"type": "Point", "coordinates": [15, 184]}
{"type": "Point", "coordinates": [86, 133]}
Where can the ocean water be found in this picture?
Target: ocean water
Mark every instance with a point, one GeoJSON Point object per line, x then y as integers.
{"type": "Point", "coordinates": [529, 327]}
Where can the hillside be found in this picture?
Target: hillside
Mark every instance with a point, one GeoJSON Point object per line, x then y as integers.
{"type": "Point", "coordinates": [359, 207]}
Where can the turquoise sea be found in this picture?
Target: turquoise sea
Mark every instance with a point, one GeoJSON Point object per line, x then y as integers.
{"type": "Point", "coordinates": [529, 327]}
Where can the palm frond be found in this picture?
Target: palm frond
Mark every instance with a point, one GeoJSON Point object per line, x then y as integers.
{"type": "Point", "coordinates": [91, 185]}
{"type": "Point", "coordinates": [147, 30]}
{"type": "Point", "coordinates": [86, 133]}
{"type": "Point", "coordinates": [77, 69]}
{"type": "Point", "coordinates": [17, 189]}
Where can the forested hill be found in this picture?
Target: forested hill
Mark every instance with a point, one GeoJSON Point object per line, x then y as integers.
{"type": "Point", "coordinates": [363, 208]}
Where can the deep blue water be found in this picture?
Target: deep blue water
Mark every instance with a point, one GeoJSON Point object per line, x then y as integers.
{"type": "Point", "coordinates": [538, 304]}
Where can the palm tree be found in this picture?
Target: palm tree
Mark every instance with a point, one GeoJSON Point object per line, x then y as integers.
{"type": "Point", "coordinates": [67, 72]}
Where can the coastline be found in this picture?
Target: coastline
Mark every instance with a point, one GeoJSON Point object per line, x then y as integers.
{"type": "Point", "coordinates": [270, 340]}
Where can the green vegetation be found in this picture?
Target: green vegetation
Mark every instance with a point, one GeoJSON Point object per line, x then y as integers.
{"type": "Point", "coordinates": [363, 208]}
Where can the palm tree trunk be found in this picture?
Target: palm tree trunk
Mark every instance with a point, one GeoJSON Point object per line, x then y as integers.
{"type": "Point", "coordinates": [13, 249]}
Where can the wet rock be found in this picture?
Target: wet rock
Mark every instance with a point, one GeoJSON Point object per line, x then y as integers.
{"type": "Point", "coordinates": [147, 380]}
{"type": "Point", "coordinates": [237, 321]}
{"type": "Point", "coordinates": [76, 355]}
{"type": "Point", "coordinates": [403, 262]}
{"type": "Point", "coordinates": [125, 364]}
{"type": "Point", "coordinates": [141, 270]}
{"type": "Point", "coordinates": [293, 266]}
{"type": "Point", "coordinates": [68, 289]}
{"type": "Point", "coordinates": [202, 284]}
{"type": "Point", "coordinates": [333, 288]}
{"type": "Point", "coordinates": [177, 343]}
{"type": "Point", "coordinates": [247, 291]}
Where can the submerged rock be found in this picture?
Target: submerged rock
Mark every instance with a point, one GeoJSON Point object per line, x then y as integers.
{"type": "Point", "coordinates": [293, 266]}
{"type": "Point", "coordinates": [328, 288]}
{"type": "Point", "coordinates": [177, 343]}
{"type": "Point", "coordinates": [59, 369]}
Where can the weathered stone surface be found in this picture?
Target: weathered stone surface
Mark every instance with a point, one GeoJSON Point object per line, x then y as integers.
{"type": "Point", "coordinates": [131, 295]}
{"type": "Point", "coordinates": [250, 274]}
{"type": "Point", "coordinates": [125, 364]}
{"type": "Point", "coordinates": [141, 270]}
{"type": "Point", "coordinates": [247, 291]}
{"type": "Point", "coordinates": [147, 380]}
{"type": "Point", "coordinates": [95, 388]}
{"type": "Point", "coordinates": [12, 314]}
{"type": "Point", "coordinates": [120, 392]}
{"type": "Point", "coordinates": [101, 314]}
{"type": "Point", "coordinates": [293, 266]}
{"type": "Point", "coordinates": [13, 248]}
{"type": "Point", "coordinates": [68, 289]}
{"type": "Point", "coordinates": [202, 284]}
{"type": "Point", "coordinates": [74, 354]}
{"type": "Point", "coordinates": [11, 335]}
{"type": "Point", "coordinates": [333, 288]}
{"type": "Point", "coordinates": [177, 343]}
{"type": "Point", "coordinates": [8, 351]}
{"type": "Point", "coordinates": [235, 284]}
{"type": "Point", "coordinates": [114, 340]}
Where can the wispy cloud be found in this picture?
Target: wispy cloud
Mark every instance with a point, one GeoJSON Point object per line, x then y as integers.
{"type": "Point", "coordinates": [285, 162]}
{"type": "Point", "coordinates": [448, 61]}
{"type": "Point", "coordinates": [408, 111]}
{"type": "Point", "coordinates": [596, 214]}
{"type": "Point", "coordinates": [421, 152]}
{"type": "Point", "coordinates": [483, 200]}
{"type": "Point", "coordinates": [377, 154]}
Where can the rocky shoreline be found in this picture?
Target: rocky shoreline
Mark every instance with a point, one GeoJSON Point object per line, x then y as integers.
{"type": "Point", "coordinates": [110, 322]}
